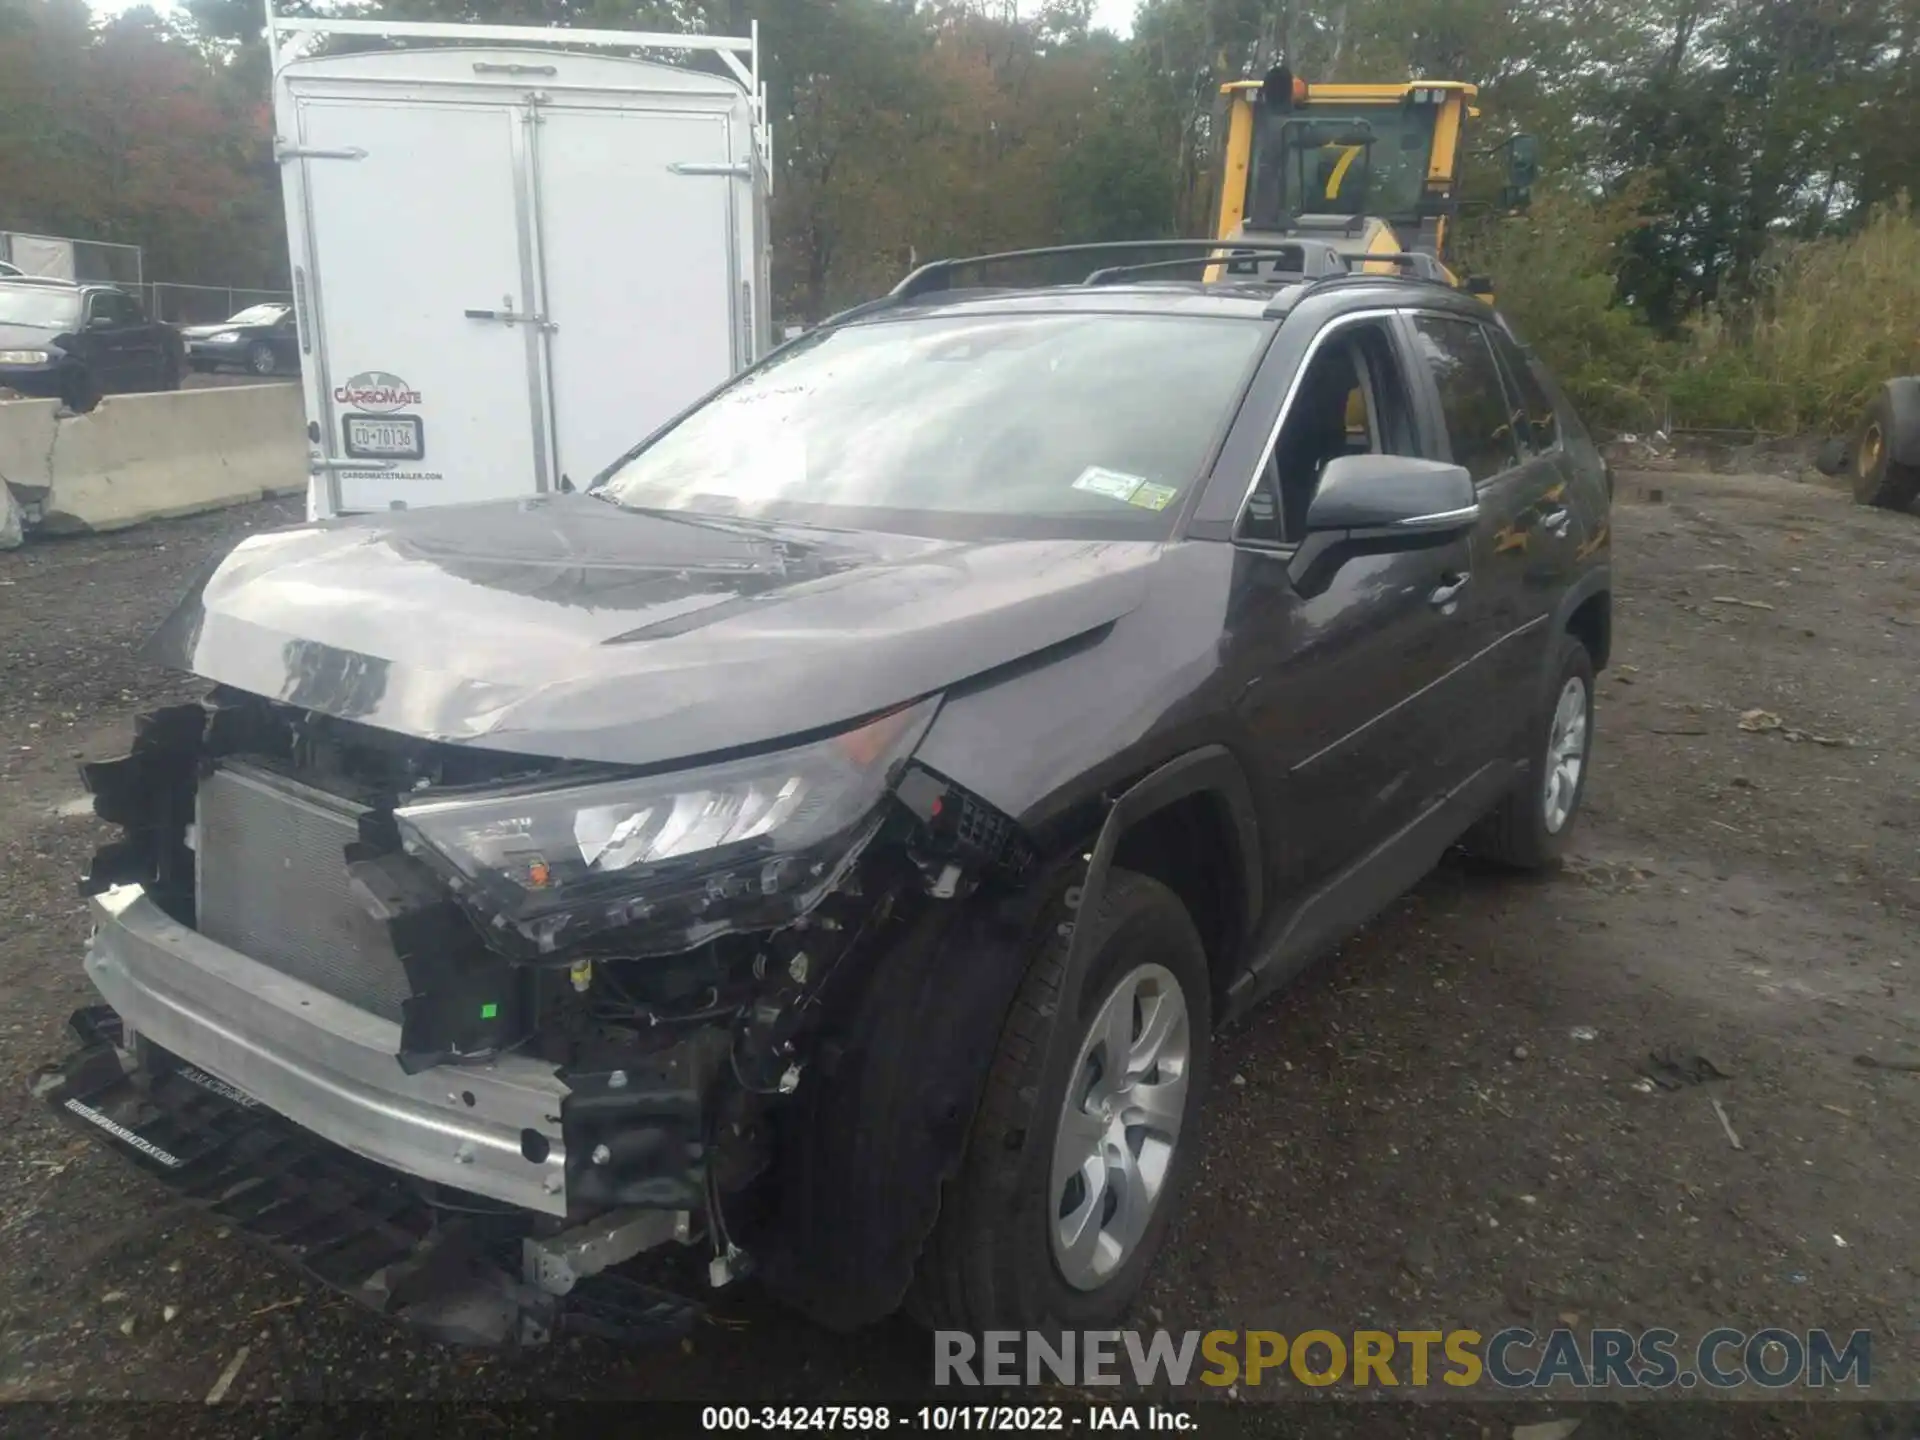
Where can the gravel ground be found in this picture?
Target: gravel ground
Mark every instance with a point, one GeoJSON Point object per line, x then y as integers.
{"type": "Point", "coordinates": [1448, 1126]}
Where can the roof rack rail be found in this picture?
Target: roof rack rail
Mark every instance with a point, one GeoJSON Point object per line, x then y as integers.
{"type": "Point", "coordinates": [1292, 260]}
{"type": "Point", "coordinates": [1424, 267]}
{"type": "Point", "coordinates": [1315, 255]}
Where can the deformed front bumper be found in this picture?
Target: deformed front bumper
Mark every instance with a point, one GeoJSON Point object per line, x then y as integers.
{"type": "Point", "coordinates": [445, 1263]}
{"type": "Point", "coordinates": [328, 1066]}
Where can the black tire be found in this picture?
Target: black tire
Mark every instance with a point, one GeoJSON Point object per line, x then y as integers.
{"type": "Point", "coordinates": [260, 358]}
{"type": "Point", "coordinates": [989, 1263]}
{"type": "Point", "coordinates": [1515, 832]}
{"type": "Point", "coordinates": [1833, 457]}
{"type": "Point", "coordinates": [1878, 479]}
{"type": "Point", "coordinates": [79, 391]}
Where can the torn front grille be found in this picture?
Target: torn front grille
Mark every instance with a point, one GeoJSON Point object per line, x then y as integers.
{"type": "Point", "coordinates": [271, 882]}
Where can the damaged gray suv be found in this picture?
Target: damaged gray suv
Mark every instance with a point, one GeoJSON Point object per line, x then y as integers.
{"type": "Point", "coordinates": [825, 847]}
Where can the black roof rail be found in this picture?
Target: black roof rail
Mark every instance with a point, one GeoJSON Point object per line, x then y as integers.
{"type": "Point", "coordinates": [1423, 266]}
{"type": "Point", "coordinates": [937, 275]}
{"type": "Point", "coordinates": [1293, 260]}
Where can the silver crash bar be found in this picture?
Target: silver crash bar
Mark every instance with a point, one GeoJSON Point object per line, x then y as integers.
{"type": "Point", "coordinates": [327, 1065]}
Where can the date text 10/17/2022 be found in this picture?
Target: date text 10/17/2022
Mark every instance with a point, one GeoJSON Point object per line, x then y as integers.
{"type": "Point", "coordinates": [941, 1418]}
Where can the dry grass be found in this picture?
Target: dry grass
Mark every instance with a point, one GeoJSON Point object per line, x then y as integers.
{"type": "Point", "coordinates": [1831, 321]}
{"type": "Point", "coordinates": [1836, 318]}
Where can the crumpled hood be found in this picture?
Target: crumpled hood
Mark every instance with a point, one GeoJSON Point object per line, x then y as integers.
{"type": "Point", "coordinates": [567, 627]}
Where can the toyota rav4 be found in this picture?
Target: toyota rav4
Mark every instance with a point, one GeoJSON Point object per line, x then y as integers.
{"type": "Point", "coordinates": [827, 845]}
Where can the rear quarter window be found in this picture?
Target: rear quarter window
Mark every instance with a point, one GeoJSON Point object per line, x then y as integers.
{"type": "Point", "coordinates": [1473, 399]}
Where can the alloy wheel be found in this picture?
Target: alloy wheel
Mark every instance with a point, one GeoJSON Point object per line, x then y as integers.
{"type": "Point", "coordinates": [1119, 1125]}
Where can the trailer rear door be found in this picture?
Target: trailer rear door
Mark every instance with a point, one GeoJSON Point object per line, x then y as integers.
{"type": "Point", "coordinates": [637, 216]}
{"type": "Point", "coordinates": [414, 222]}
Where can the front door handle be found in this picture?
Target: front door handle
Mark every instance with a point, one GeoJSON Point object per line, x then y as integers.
{"type": "Point", "coordinates": [1448, 590]}
{"type": "Point", "coordinates": [1557, 519]}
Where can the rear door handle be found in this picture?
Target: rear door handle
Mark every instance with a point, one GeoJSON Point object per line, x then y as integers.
{"type": "Point", "coordinates": [1557, 519]}
{"type": "Point", "coordinates": [1448, 590]}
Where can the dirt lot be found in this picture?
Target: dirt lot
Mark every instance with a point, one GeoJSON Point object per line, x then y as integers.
{"type": "Point", "coordinates": [1448, 1126]}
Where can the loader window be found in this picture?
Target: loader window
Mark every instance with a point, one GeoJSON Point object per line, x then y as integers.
{"type": "Point", "coordinates": [1371, 160]}
{"type": "Point", "coordinates": [1352, 400]}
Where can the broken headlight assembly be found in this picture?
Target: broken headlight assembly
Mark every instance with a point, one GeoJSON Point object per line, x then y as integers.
{"type": "Point", "coordinates": [670, 860]}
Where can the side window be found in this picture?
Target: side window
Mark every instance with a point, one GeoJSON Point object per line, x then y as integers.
{"type": "Point", "coordinates": [1352, 400]}
{"type": "Point", "coordinates": [1540, 422]}
{"type": "Point", "coordinates": [113, 308]}
{"type": "Point", "coordinates": [1473, 399]}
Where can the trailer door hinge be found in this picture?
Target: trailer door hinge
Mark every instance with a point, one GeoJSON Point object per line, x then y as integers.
{"type": "Point", "coordinates": [736, 169]}
{"type": "Point", "coordinates": [284, 153]}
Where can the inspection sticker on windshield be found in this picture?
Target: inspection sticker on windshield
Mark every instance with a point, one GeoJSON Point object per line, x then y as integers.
{"type": "Point", "coordinates": [1150, 496]}
{"type": "Point", "coordinates": [1114, 484]}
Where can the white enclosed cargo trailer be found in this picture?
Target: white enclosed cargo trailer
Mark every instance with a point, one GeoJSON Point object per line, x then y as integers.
{"type": "Point", "coordinates": [512, 259]}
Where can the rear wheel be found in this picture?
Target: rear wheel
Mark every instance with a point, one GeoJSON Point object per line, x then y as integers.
{"type": "Point", "coordinates": [1879, 479]}
{"type": "Point", "coordinates": [1529, 828]}
{"type": "Point", "coordinates": [1087, 1130]}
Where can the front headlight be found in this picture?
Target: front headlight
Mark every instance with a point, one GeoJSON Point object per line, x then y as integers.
{"type": "Point", "coordinates": [25, 357]}
{"type": "Point", "coordinates": [225, 337]}
{"type": "Point", "coordinates": [671, 859]}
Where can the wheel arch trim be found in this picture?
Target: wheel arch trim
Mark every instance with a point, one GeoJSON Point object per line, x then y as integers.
{"type": "Point", "coordinates": [1208, 770]}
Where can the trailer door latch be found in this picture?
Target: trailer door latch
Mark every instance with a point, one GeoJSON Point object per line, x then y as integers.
{"type": "Point", "coordinates": [510, 316]}
{"type": "Point", "coordinates": [284, 153]}
{"type": "Point", "coordinates": [737, 169]}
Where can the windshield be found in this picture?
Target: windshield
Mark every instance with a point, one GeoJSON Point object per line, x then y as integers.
{"type": "Point", "coordinates": [1363, 160]}
{"type": "Point", "coordinates": [40, 306]}
{"type": "Point", "coordinates": [1011, 425]}
{"type": "Point", "coordinates": [258, 315]}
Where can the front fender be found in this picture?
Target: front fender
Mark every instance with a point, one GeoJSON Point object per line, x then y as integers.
{"type": "Point", "coordinates": [882, 1123]}
{"type": "Point", "coordinates": [1211, 769]}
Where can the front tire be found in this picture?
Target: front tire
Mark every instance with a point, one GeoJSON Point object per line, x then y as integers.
{"type": "Point", "coordinates": [1528, 830]}
{"type": "Point", "coordinates": [261, 359]}
{"type": "Point", "coordinates": [1087, 1130]}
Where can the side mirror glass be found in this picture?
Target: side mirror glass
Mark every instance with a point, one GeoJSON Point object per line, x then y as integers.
{"type": "Point", "coordinates": [1392, 495]}
{"type": "Point", "coordinates": [1523, 166]}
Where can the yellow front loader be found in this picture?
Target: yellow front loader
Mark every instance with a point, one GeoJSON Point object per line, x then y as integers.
{"type": "Point", "coordinates": [1372, 169]}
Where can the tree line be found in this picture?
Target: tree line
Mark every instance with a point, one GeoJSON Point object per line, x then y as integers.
{"type": "Point", "coordinates": [1718, 175]}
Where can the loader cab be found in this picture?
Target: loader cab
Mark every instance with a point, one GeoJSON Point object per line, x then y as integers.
{"type": "Point", "coordinates": [1371, 168]}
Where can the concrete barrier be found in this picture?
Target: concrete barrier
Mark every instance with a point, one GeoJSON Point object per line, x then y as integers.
{"type": "Point", "coordinates": [148, 457]}
{"type": "Point", "coordinates": [27, 434]}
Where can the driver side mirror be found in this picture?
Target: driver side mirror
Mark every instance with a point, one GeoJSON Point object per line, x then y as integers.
{"type": "Point", "coordinates": [1374, 504]}
{"type": "Point", "coordinates": [1393, 494]}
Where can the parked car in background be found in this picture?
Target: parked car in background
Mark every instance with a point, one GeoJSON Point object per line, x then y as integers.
{"type": "Point", "coordinates": [76, 342]}
{"type": "Point", "coordinates": [261, 340]}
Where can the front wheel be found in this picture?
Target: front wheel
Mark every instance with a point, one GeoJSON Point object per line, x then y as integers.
{"type": "Point", "coordinates": [1529, 828]}
{"type": "Point", "coordinates": [1087, 1130]}
{"type": "Point", "coordinates": [261, 359]}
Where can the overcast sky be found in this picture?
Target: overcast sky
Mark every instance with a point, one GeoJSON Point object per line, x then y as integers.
{"type": "Point", "coordinates": [1115, 15]}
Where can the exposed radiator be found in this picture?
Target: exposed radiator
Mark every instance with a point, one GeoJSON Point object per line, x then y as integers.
{"type": "Point", "coordinates": [271, 882]}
